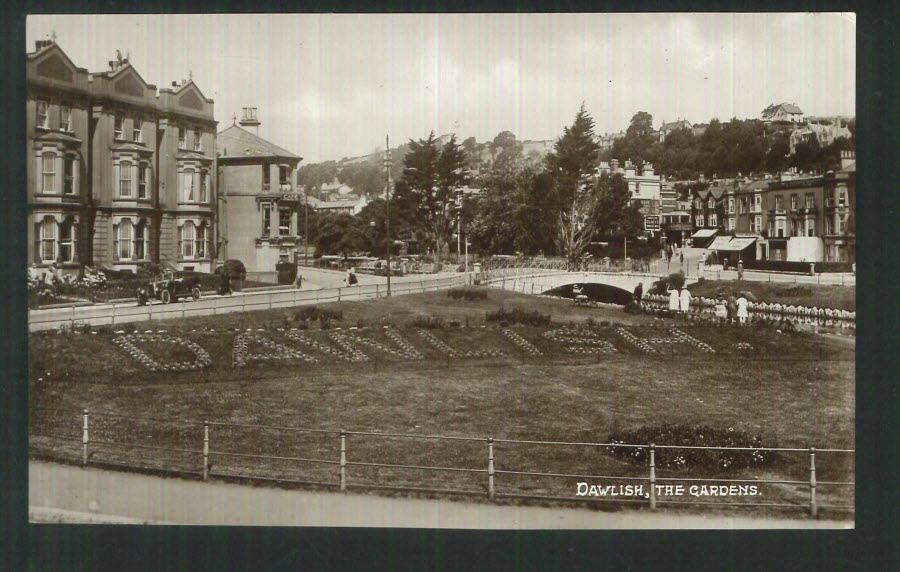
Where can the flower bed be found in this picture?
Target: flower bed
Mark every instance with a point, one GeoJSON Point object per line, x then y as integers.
{"type": "Point", "coordinates": [127, 343]}
{"type": "Point", "coordinates": [522, 343]}
{"type": "Point", "coordinates": [342, 341]}
{"type": "Point", "coordinates": [692, 436]}
{"type": "Point", "coordinates": [452, 352]}
{"type": "Point", "coordinates": [406, 350]}
{"type": "Point", "coordinates": [241, 355]}
{"type": "Point", "coordinates": [580, 336]}
{"type": "Point", "coordinates": [325, 348]}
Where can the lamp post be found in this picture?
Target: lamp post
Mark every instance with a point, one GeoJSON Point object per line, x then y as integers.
{"type": "Point", "coordinates": [387, 170]}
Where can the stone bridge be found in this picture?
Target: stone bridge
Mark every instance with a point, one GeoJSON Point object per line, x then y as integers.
{"type": "Point", "coordinates": [539, 281]}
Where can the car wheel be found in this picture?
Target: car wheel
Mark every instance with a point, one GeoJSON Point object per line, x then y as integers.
{"type": "Point", "coordinates": [166, 297]}
{"type": "Point", "coordinates": [195, 293]}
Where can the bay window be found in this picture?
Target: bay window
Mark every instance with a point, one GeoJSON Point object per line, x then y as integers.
{"type": "Point", "coordinates": [65, 118]}
{"type": "Point", "coordinates": [188, 185]}
{"type": "Point", "coordinates": [186, 238]}
{"type": "Point", "coordinates": [143, 171]}
{"type": "Point", "coordinates": [48, 158]}
{"type": "Point", "coordinates": [66, 241]}
{"type": "Point", "coordinates": [140, 240]}
{"type": "Point", "coordinates": [204, 198]}
{"type": "Point", "coordinates": [124, 235]}
{"type": "Point", "coordinates": [125, 179]}
{"type": "Point", "coordinates": [43, 114]}
{"type": "Point", "coordinates": [69, 175]}
{"type": "Point", "coordinates": [48, 239]}
{"type": "Point", "coordinates": [202, 234]}
{"type": "Point", "coordinates": [119, 127]}
{"type": "Point", "coordinates": [198, 141]}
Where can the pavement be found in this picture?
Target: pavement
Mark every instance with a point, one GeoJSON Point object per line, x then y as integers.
{"type": "Point", "coordinates": [70, 494]}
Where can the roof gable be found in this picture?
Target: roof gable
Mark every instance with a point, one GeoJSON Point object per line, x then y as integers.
{"type": "Point", "coordinates": [236, 142]}
{"type": "Point", "coordinates": [57, 66]}
{"type": "Point", "coordinates": [190, 96]}
{"type": "Point", "coordinates": [126, 80]}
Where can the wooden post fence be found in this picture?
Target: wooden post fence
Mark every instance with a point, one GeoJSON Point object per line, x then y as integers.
{"type": "Point", "coordinates": [491, 468]}
{"type": "Point", "coordinates": [343, 460]}
{"type": "Point", "coordinates": [652, 478]}
{"type": "Point", "coordinates": [812, 482]}
{"type": "Point", "coordinates": [205, 450]}
{"type": "Point", "coordinates": [84, 440]}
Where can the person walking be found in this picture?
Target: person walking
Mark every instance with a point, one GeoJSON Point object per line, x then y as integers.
{"type": "Point", "coordinates": [639, 293]}
{"type": "Point", "coordinates": [673, 299]}
{"type": "Point", "coordinates": [721, 311]}
{"type": "Point", "coordinates": [351, 277]}
{"type": "Point", "coordinates": [742, 310]}
{"type": "Point", "coordinates": [681, 257]}
{"type": "Point", "coordinates": [685, 300]}
{"type": "Point", "coordinates": [740, 269]}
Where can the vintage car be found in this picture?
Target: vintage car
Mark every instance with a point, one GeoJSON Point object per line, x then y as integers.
{"type": "Point", "coordinates": [168, 288]}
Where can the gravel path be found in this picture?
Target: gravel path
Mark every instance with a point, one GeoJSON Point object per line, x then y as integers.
{"type": "Point", "coordinates": [64, 493]}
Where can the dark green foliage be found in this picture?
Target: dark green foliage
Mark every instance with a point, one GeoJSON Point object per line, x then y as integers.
{"type": "Point", "coordinates": [692, 435]}
{"type": "Point", "coordinates": [427, 322]}
{"type": "Point", "coordinates": [519, 316]}
{"type": "Point", "coordinates": [468, 294]}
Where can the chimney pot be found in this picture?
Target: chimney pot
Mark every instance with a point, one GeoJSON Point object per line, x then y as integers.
{"type": "Point", "coordinates": [174, 84]}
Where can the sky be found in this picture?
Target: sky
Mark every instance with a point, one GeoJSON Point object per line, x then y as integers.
{"type": "Point", "coordinates": [331, 86]}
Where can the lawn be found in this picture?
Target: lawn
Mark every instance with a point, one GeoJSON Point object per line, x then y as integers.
{"type": "Point", "coordinates": [794, 390]}
{"type": "Point", "coordinates": [835, 297]}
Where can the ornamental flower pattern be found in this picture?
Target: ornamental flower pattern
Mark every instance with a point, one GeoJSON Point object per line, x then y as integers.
{"type": "Point", "coordinates": [406, 350]}
{"type": "Point", "coordinates": [522, 343]}
{"type": "Point", "coordinates": [127, 343]}
{"type": "Point", "coordinates": [324, 348]}
{"type": "Point", "coordinates": [580, 336]}
{"type": "Point", "coordinates": [452, 352]}
{"type": "Point", "coordinates": [241, 355]}
{"type": "Point", "coordinates": [342, 341]}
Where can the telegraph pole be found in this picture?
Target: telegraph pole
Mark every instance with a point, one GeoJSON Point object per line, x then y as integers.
{"type": "Point", "coordinates": [387, 170]}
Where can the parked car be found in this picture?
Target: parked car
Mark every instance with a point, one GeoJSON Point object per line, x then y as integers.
{"type": "Point", "coordinates": [168, 288]}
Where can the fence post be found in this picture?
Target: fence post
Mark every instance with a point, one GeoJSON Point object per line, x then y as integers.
{"type": "Point", "coordinates": [113, 315]}
{"type": "Point", "coordinates": [491, 468]}
{"type": "Point", "coordinates": [205, 450]}
{"type": "Point", "coordinates": [84, 440]}
{"type": "Point", "coordinates": [652, 478]}
{"type": "Point", "coordinates": [812, 482]}
{"type": "Point", "coordinates": [339, 294]}
{"type": "Point", "coordinates": [343, 460]}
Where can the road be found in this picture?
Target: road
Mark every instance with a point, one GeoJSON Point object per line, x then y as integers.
{"type": "Point", "coordinates": [64, 493]}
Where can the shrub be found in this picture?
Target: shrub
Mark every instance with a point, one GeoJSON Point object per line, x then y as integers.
{"type": "Point", "coordinates": [692, 435]}
{"type": "Point", "coordinates": [468, 294]}
{"type": "Point", "coordinates": [235, 268]}
{"type": "Point", "coordinates": [428, 322]}
{"type": "Point", "coordinates": [519, 316]}
{"type": "Point", "coordinates": [287, 272]}
{"type": "Point", "coordinates": [454, 323]}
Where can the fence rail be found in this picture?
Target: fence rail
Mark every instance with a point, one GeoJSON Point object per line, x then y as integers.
{"type": "Point", "coordinates": [822, 279]}
{"type": "Point", "coordinates": [130, 312]}
{"type": "Point", "coordinates": [490, 472]}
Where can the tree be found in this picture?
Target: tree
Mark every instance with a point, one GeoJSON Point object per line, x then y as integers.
{"type": "Point", "coordinates": [614, 198]}
{"type": "Point", "coordinates": [311, 177]}
{"type": "Point", "coordinates": [431, 177]}
{"type": "Point", "coordinates": [639, 144]}
{"type": "Point", "coordinates": [572, 164]}
{"type": "Point", "coordinates": [376, 235]}
{"type": "Point", "coordinates": [340, 234]}
{"type": "Point", "coordinates": [365, 178]}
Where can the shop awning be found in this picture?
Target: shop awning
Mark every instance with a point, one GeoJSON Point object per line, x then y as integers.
{"type": "Point", "coordinates": [704, 233]}
{"type": "Point", "coordinates": [720, 243]}
{"type": "Point", "coordinates": [735, 244]}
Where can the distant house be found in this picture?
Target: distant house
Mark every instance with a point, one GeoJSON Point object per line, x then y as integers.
{"type": "Point", "coordinates": [782, 113]}
{"type": "Point", "coordinates": [824, 133]}
{"type": "Point", "coordinates": [351, 207]}
{"type": "Point", "coordinates": [607, 140]}
{"type": "Point", "coordinates": [667, 128]}
{"type": "Point", "coordinates": [699, 129]}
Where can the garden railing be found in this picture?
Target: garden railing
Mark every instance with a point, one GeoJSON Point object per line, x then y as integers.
{"type": "Point", "coordinates": [208, 441]}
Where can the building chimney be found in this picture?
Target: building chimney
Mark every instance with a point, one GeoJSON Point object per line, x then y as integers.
{"type": "Point", "coordinates": [614, 165]}
{"type": "Point", "coordinates": [174, 84]}
{"type": "Point", "coordinates": [249, 119]}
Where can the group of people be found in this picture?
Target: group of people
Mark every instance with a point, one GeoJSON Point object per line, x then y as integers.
{"type": "Point", "coordinates": [733, 309]}
{"type": "Point", "coordinates": [669, 251]}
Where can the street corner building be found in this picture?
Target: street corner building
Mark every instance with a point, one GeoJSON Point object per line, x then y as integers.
{"type": "Point", "coordinates": [120, 173]}
{"type": "Point", "coordinates": [260, 198]}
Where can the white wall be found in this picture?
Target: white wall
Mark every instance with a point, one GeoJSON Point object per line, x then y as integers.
{"type": "Point", "coordinates": [805, 249]}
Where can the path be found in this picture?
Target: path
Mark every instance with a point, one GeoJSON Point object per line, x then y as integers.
{"type": "Point", "coordinates": [64, 493]}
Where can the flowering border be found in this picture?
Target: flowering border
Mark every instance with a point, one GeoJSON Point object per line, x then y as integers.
{"type": "Point", "coordinates": [522, 343]}
{"type": "Point", "coordinates": [241, 356]}
{"type": "Point", "coordinates": [325, 348]}
{"type": "Point", "coordinates": [452, 352]}
{"type": "Point", "coordinates": [127, 344]}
